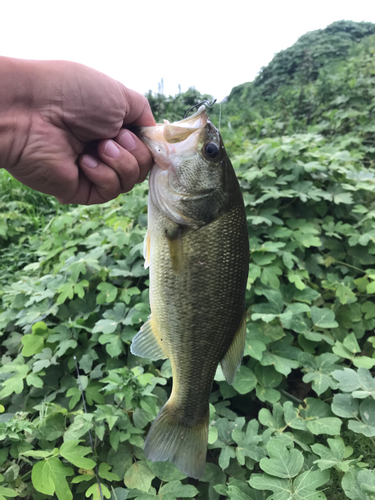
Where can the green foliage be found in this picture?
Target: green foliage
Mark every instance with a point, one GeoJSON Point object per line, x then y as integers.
{"type": "Point", "coordinates": [174, 108]}
{"type": "Point", "coordinates": [298, 421]}
{"type": "Point", "coordinates": [310, 53]}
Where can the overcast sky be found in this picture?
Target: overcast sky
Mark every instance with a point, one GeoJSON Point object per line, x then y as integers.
{"type": "Point", "coordinates": [212, 45]}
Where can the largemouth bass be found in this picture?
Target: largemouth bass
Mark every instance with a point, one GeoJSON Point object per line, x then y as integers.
{"type": "Point", "coordinates": [198, 253]}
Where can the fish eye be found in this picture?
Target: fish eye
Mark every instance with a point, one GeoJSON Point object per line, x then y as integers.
{"type": "Point", "coordinates": [211, 149]}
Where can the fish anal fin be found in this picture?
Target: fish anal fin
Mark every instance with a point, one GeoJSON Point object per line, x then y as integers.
{"type": "Point", "coordinates": [147, 343]}
{"type": "Point", "coordinates": [147, 249]}
{"type": "Point", "coordinates": [233, 357]}
{"type": "Point", "coordinates": [171, 439]}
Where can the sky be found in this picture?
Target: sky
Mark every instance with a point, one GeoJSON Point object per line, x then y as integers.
{"type": "Point", "coordinates": [211, 45]}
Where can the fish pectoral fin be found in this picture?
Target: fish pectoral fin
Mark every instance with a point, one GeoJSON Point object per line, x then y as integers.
{"type": "Point", "coordinates": [147, 249]}
{"type": "Point", "coordinates": [233, 357]}
{"type": "Point", "coordinates": [175, 244]}
{"type": "Point", "coordinates": [147, 343]}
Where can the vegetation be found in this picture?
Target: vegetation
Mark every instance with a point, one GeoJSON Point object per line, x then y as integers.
{"type": "Point", "coordinates": [299, 421]}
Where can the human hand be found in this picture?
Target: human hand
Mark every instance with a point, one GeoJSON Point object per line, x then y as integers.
{"type": "Point", "coordinates": [61, 130]}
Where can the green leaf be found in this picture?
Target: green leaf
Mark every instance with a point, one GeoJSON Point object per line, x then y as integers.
{"type": "Point", "coordinates": [269, 276]}
{"type": "Point", "coordinates": [32, 344]}
{"type": "Point", "coordinates": [332, 456]}
{"type": "Point", "coordinates": [104, 472]}
{"type": "Point", "coordinates": [166, 471]}
{"type": "Point", "coordinates": [34, 380]}
{"type": "Point", "coordinates": [367, 424]}
{"type": "Point", "coordinates": [248, 442]}
{"type": "Point", "coordinates": [305, 485]}
{"type": "Point", "coordinates": [369, 310]}
{"type": "Point", "coordinates": [302, 488]}
{"type": "Point", "coordinates": [226, 454]}
{"type": "Point", "coordinates": [105, 326]}
{"type": "Point", "coordinates": [37, 454]}
{"type": "Point", "coordinates": [355, 483]}
{"type": "Point", "coordinates": [94, 491]}
{"type": "Point", "coordinates": [267, 378]}
{"type": "Point", "coordinates": [177, 489]}
{"type": "Point", "coordinates": [282, 364]}
{"type": "Point", "coordinates": [343, 197]}
{"type": "Point", "coordinates": [76, 454]}
{"type": "Point", "coordinates": [283, 463]}
{"type": "Point", "coordinates": [245, 380]}
{"type": "Point", "coordinates": [351, 343]}
{"type": "Point", "coordinates": [14, 384]}
{"type": "Point", "coordinates": [49, 477]}
{"type": "Point", "coordinates": [364, 362]}
{"type": "Point", "coordinates": [139, 476]}
{"type": "Point", "coordinates": [344, 294]}
{"type": "Point", "coordinates": [254, 348]}
{"type": "Point", "coordinates": [66, 292]}
{"type": "Point", "coordinates": [281, 488]}
{"type": "Point", "coordinates": [328, 425]}
{"type": "Point", "coordinates": [367, 384]}
{"type": "Point", "coordinates": [108, 293]}
{"type": "Point", "coordinates": [235, 493]}
{"type": "Point", "coordinates": [212, 434]}
{"type": "Point", "coordinates": [344, 405]}
{"type": "Point", "coordinates": [292, 417]}
{"type": "Point", "coordinates": [7, 492]}
{"type": "Point", "coordinates": [323, 317]}
{"type": "Point", "coordinates": [296, 278]}
{"type": "Point", "coordinates": [80, 426]}
{"type": "Point", "coordinates": [274, 421]}
{"type": "Point", "coordinates": [348, 379]}
{"type": "Point", "coordinates": [366, 479]}
{"type": "Point", "coordinates": [119, 494]}
{"type": "Point", "coordinates": [319, 370]}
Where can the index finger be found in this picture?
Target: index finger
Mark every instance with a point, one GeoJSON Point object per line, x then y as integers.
{"type": "Point", "coordinates": [139, 111]}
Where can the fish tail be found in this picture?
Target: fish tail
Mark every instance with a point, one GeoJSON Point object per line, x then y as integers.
{"type": "Point", "coordinates": [185, 445]}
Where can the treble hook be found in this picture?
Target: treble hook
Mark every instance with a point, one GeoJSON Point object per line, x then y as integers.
{"type": "Point", "coordinates": [199, 104]}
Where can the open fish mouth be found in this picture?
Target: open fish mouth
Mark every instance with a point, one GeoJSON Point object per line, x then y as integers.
{"type": "Point", "coordinates": [166, 140]}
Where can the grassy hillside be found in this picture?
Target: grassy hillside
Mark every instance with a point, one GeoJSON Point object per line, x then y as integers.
{"type": "Point", "coordinates": [303, 81]}
{"type": "Point", "coordinates": [298, 422]}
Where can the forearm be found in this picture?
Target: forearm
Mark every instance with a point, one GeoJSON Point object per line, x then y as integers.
{"type": "Point", "coordinates": [16, 103]}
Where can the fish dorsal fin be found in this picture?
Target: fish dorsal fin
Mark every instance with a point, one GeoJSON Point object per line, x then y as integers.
{"type": "Point", "coordinates": [147, 249]}
{"type": "Point", "coordinates": [148, 343]}
{"type": "Point", "coordinates": [232, 359]}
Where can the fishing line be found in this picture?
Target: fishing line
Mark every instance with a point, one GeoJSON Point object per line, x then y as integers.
{"type": "Point", "coordinates": [220, 117]}
{"type": "Point", "coordinates": [91, 442]}
{"type": "Point", "coordinates": [199, 104]}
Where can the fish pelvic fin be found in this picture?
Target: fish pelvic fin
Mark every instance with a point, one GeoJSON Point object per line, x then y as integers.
{"type": "Point", "coordinates": [148, 343]}
{"type": "Point", "coordinates": [233, 357]}
{"type": "Point", "coordinates": [147, 249]}
{"type": "Point", "coordinates": [171, 439]}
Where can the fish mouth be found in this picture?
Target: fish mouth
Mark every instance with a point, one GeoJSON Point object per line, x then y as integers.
{"type": "Point", "coordinates": [167, 140]}
{"type": "Point", "coordinates": [176, 130]}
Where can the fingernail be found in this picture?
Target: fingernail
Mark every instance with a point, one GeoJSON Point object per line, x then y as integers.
{"type": "Point", "coordinates": [89, 161]}
{"type": "Point", "coordinates": [127, 141]}
{"type": "Point", "coordinates": [111, 150]}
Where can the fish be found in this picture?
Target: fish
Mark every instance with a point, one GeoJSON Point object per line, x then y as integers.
{"type": "Point", "coordinates": [197, 251]}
